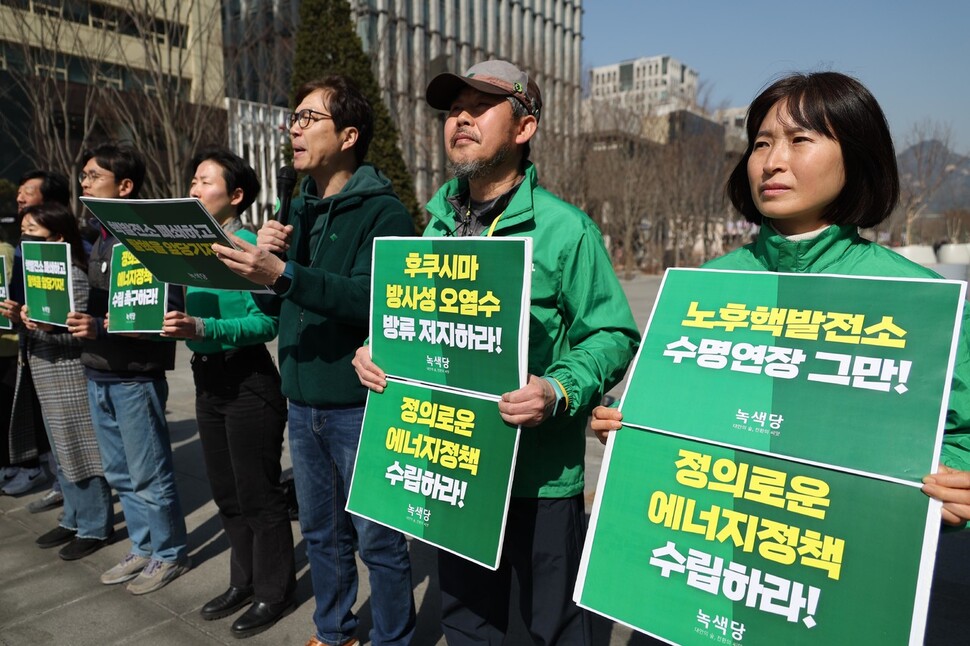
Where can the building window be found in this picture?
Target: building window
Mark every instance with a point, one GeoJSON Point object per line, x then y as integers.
{"type": "Point", "coordinates": [55, 72]}
{"type": "Point", "coordinates": [109, 78]}
{"type": "Point", "coordinates": [47, 8]}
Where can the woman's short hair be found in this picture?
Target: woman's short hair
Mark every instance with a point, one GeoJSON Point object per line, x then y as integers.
{"type": "Point", "coordinates": [841, 108]}
{"type": "Point", "coordinates": [235, 170]}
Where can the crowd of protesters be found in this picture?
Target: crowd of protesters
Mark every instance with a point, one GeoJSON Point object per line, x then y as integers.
{"type": "Point", "coordinates": [88, 406]}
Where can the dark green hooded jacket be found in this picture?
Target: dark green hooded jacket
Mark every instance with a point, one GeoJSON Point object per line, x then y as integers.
{"type": "Point", "coordinates": [324, 313]}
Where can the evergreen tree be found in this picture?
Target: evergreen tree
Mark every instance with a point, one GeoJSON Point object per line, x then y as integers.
{"type": "Point", "coordinates": [327, 43]}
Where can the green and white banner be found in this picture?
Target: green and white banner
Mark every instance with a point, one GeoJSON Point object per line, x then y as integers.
{"type": "Point", "coordinates": [452, 312]}
{"type": "Point", "coordinates": [436, 465]}
{"type": "Point", "coordinates": [450, 328]}
{"type": "Point", "coordinates": [48, 284]}
{"type": "Point", "coordinates": [766, 480]}
{"type": "Point", "coordinates": [172, 238]}
{"type": "Point", "coordinates": [808, 367]}
{"type": "Point", "coordinates": [5, 323]}
{"type": "Point", "coordinates": [136, 300]}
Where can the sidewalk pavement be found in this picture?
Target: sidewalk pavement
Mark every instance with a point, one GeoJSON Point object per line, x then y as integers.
{"type": "Point", "coordinates": [44, 600]}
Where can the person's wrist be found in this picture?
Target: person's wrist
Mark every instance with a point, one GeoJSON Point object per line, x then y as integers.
{"type": "Point", "coordinates": [560, 401]}
{"type": "Point", "coordinates": [284, 280]}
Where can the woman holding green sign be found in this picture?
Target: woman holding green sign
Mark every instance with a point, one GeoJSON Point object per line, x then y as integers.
{"type": "Point", "coordinates": [819, 165]}
{"type": "Point", "coordinates": [54, 356]}
{"type": "Point", "coordinates": [241, 414]}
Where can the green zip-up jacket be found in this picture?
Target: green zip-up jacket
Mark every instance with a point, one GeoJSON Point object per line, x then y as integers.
{"type": "Point", "coordinates": [232, 319]}
{"type": "Point", "coordinates": [582, 332]}
{"type": "Point", "coordinates": [324, 313]}
{"type": "Point", "coordinates": [840, 250]}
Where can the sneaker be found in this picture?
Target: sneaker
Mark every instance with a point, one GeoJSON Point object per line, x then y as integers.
{"type": "Point", "coordinates": [7, 474]}
{"type": "Point", "coordinates": [127, 570]}
{"type": "Point", "coordinates": [24, 481]}
{"type": "Point", "coordinates": [49, 500]}
{"type": "Point", "coordinates": [157, 574]}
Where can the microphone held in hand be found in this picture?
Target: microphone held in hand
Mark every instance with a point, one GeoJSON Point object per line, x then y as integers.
{"type": "Point", "coordinates": [285, 183]}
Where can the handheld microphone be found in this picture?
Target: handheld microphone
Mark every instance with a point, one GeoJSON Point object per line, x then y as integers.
{"type": "Point", "coordinates": [285, 183]}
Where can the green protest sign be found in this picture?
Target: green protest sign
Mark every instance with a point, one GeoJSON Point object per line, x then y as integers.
{"type": "Point", "coordinates": [5, 323]}
{"type": "Point", "coordinates": [699, 544]}
{"type": "Point", "coordinates": [136, 301]}
{"type": "Point", "coordinates": [805, 366]}
{"type": "Point", "coordinates": [452, 311]}
{"type": "Point", "coordinates": [48, 284]}
{"type": "Point", "coordinates": [450, 328]}
{"type": "Point", "coordinates": [172, 238]}
{"type": "Point", "coordinates": [436, 465]}
{"type": "Point", "coordinates": [771, 420]}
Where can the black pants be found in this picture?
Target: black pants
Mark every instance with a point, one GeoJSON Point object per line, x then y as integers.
{"type": "Point", "coordinates": [241, 415]}
{"type": "Point", "coordinates": [543, 546]}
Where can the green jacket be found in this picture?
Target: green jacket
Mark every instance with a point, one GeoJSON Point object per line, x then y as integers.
{"type": "Point", "coordinates": [840, 250]}
{"type": "Point", "coordinates": [232, 319]}
{"type": "Point", "coordinates": [324, 313]}
{"type": "Point", "coordinates": [582, 332]}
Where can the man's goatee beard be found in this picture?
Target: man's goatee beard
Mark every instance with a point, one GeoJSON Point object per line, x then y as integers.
{"type": "Point", "coordinates": [478, 168]}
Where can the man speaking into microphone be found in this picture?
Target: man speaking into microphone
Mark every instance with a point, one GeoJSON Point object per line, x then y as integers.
{"type": "Point", "coordinates": [321, 282]}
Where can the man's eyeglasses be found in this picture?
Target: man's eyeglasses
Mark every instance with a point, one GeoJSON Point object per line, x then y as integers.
{"type": "Point", "coordinates": [94, 177]}
{"type": "Point", "coordinates": [306, 116]}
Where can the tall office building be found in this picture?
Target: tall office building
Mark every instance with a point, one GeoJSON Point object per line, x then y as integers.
{"type": "Point", "coordinates": [410, 41]}
{"type": "Point", "coordinates": [645, 84]}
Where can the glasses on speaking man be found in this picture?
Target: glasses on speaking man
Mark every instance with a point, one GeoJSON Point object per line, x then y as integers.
{"type": "Point", "coordinates": [306, 116]}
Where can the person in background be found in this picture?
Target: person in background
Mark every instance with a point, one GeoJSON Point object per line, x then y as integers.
{"type": "Point", "coordinates": [25, 445]}
{"type": "Point", "coordinates": [55, 362]}
{"type": "Point", "coordinates": [241, 414]}
{"type": "Point", "coordinates": [127, 391]}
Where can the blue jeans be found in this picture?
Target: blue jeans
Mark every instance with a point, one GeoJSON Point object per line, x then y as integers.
{"type": "Point", "coordinates": [136, 453]}
{"type": "Point", "coordinates": [87, 503]}
{"type": "Point", "coordinates": [323, 448]}
{"type": "Point", "coordinates": [87, 507]}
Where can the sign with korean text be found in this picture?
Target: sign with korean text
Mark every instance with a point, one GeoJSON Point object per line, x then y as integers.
{"type": "Point", "coordinates": [452, 311]}
{"type": "Point", "coordinates": [696, 543]}
{"type": "Point", "coordinates": [766, 480]}
{"type": "Point", "coordinates": [136, 300]}
{"type": "Point", "coordinates": [811, 367]}
{"type": "Point", "coordinates": [450, 328]}
{"type": "Point", "coordinates": [48, 284]}
{"type": "Point", "coordinates": [436, 465]}
{"type": "Point", "coordinates": [5, 323]}
{"type": "Point", "coordinates": [172, 238]}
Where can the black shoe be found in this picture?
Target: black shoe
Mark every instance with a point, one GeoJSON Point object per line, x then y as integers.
{"type": "Point", "coordinates": [57, 536]}
{"type": "Point", "coordinates": [259, 617]}
{"type": "Point", "coordinates": [81, 547]}
{"type": "Point", "coordinates": [226, 603]}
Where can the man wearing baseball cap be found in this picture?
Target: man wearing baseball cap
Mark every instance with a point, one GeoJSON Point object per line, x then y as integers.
{"type": "Point", "coordinates": [582, 338]}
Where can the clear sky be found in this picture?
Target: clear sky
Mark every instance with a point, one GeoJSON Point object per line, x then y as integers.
{"type": "Point", "coordinates": [913, 56]}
